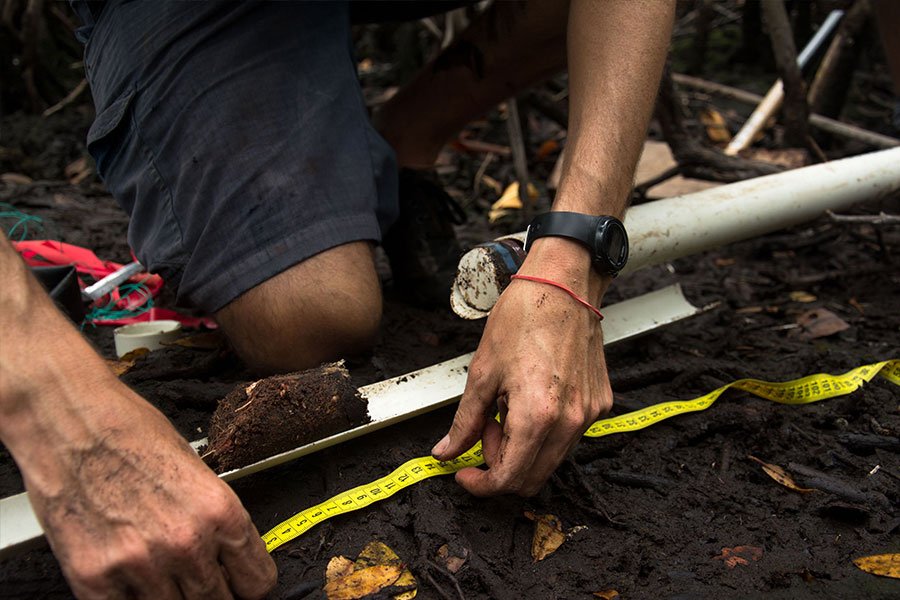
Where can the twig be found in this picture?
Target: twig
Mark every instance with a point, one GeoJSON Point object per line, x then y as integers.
{"type": "Point", "coordinates": [70, 97]}
{"type": "Point", "coordinates": [436, 587]}
{"type": "Point", "coordinates": [520, 162]}
{"type": "Point", "coordinates": [881, 218]}
{"type": "Point", "coordinates": [639, 480]}
{"type": "Point", "coordinates": [818, 121]}
{"type": "Point", "coordinates": [449, 576]}
{"type": "Point", "coordinates": [479, 174]}
{"type": "Point", "coordinates": [815, 149]}
{"type": "Point", "coordinates": [640, 191]}
{"type": "Point", "coordinates": [796, 110]}
{"type": "Point", "coordinates": [693, 158]}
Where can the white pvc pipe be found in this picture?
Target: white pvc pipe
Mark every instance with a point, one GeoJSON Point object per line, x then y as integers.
{"type": "Point", "coordinates": [775, 96]}
{"type": "Point", "coordinates": [683, 225]}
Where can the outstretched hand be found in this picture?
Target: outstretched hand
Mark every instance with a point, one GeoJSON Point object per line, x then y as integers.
{"type": "Point", "coordinates": [131, 511]}
{"type": "Point", "coordinates": [541, 364]}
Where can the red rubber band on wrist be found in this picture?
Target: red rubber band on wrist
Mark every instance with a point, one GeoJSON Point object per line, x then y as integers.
{"type": "Point", "coordinates": [564, 288]}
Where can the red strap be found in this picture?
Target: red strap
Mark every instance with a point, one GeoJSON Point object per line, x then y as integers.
{"type": "Point", "coordinates": [564, 288]}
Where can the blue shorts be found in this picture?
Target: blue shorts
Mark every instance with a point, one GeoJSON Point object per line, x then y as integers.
{"type": "Point", "coordinates": [236, 137]}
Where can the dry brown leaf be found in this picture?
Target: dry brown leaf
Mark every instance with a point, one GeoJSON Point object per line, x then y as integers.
{"type": "Point", "coordinates": [548, 535]}
{"type": "Point", "coordinates": [724, 262]}
{"type": "Point", "coordinates": [119, 367]}
{"type": "Point", "coordinates": [452, 560]}
{"type": "Point", "coordinates": [855, 304]}
{"type": "Point", "coordinates": [547, 148]}
{"type": "Point", "coordinates": [739, 555]}
{"type": "Point", "coordinates": [790, 158]}
{"type": "Point", "coordinates": [16, 179]}
{"type": "Point", "coordinates": [363, 582]}
{"type": "Point", "coordinates": [377, 553]}
{"type": "Point", "coordinates": [607, 594]}
{"type": "Point", "coordinates": [127, 362]}
{"type": "Point", "coordinates": [886, 565]}
{"type": "Point", "coordinates": [716, 127]}
{"type": "Point", "coordinates": [781, 476]}
{"type": "Point", "coordinates": [801, 296]}
{"type": "Point", "coordinates": [338, 566]}
{"type": "Point", "coordinates": [210, 340]}
{"type": "Point", "coordinates": [135, 354]}
{"type": "Point", "coordinates": [820, 322]}
{"type": "Point", "coordinates": [749, 310]}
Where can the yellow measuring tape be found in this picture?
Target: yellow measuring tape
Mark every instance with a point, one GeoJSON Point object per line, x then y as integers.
{"type": "Point", "coordinates": [799, 391]}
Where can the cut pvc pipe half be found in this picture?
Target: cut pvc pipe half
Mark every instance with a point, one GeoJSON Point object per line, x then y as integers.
{"type": "Point", "coordinates": [683, 225]}
{"type": "Point", "coordinates": [151, 335]}
{"type": "Point", "coordinates": [391, 401]}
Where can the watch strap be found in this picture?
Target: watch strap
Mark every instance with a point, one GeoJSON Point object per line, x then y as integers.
{"type": "Point", "coordinates": [572, 225]}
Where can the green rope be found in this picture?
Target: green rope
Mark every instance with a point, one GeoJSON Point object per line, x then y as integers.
{"type": "Point", "coordinates": [20, 224]}
{"type": "Point", "coordinates": [110, 312]}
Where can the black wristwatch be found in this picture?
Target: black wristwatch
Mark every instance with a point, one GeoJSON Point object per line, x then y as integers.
{"type": "Point", "coordinates": [603, 236]}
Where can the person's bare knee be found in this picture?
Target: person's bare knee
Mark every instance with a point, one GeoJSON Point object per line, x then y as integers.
{"type": "Point", "coordinates": [322, 309]}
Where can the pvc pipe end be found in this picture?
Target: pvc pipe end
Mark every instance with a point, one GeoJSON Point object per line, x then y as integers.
{"type": "Point", "coordinates": [151, 335]}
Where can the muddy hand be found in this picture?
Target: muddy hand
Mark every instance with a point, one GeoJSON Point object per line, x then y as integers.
{"type": "Point", "coordinates": [541, 364]}
{"type": "Point", "coordinates": [130, 510]}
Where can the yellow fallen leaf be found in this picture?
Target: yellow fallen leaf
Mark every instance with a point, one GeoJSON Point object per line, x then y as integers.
{"type": "Point", "coordinates": [361, 583]}
{"type": "Point", "coordinates": [801, 296]}
{"type": "Point", "coordinates": [338, 566]}
{"type": "Point", "coordinates": [548, 535]}
{"type": "Point", "coordinates": [716, 127]}
{"type": "Point", "coordinates": [510, 201]}
{"type": "Point", "coordinates": [377, 553]}
{"type": "Point", "coordinates": [886, 565]}
{"type": "Point", "coordinates": [607, 594]}
{"type": "Point", "coordinates": [781, 476]}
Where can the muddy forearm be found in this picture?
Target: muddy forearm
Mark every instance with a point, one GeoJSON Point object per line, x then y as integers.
{"type": "Point", "coordinates": [47, 370]}
{"type": "Point", "coordinates": [616, 52]}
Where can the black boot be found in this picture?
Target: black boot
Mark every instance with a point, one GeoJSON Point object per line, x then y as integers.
{"type": "Point", "coordinates": [421, 245]}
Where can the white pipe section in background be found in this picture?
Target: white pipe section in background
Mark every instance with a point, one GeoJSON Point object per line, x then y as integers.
{"type": "Point", "coordinates": [667, 229]}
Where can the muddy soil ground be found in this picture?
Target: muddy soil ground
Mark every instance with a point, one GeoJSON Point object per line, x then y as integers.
{"type": "Point", "coordinates": [655, 507]}
{"type": "Point", "coordinates": [650, 536]}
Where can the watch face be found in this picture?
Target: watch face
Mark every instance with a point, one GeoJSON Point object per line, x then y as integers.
{"type": "Point", "coordinates": [616, 245]}
{"type": "Point", "coordinates": [611, 246]}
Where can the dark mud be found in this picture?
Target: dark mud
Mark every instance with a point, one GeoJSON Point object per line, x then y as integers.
{"type": "Point", "coordinates": [657, 506]}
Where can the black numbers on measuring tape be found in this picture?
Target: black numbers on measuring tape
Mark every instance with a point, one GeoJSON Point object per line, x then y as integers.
{"type": "Point", "coordinates": [389, 485]}
{"type": "Point", "coordinates": [347, 502]}
{"type": "Point", "coordinates": [416, 469]}
{"type": "Point", "coordinates": [402, 478]}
